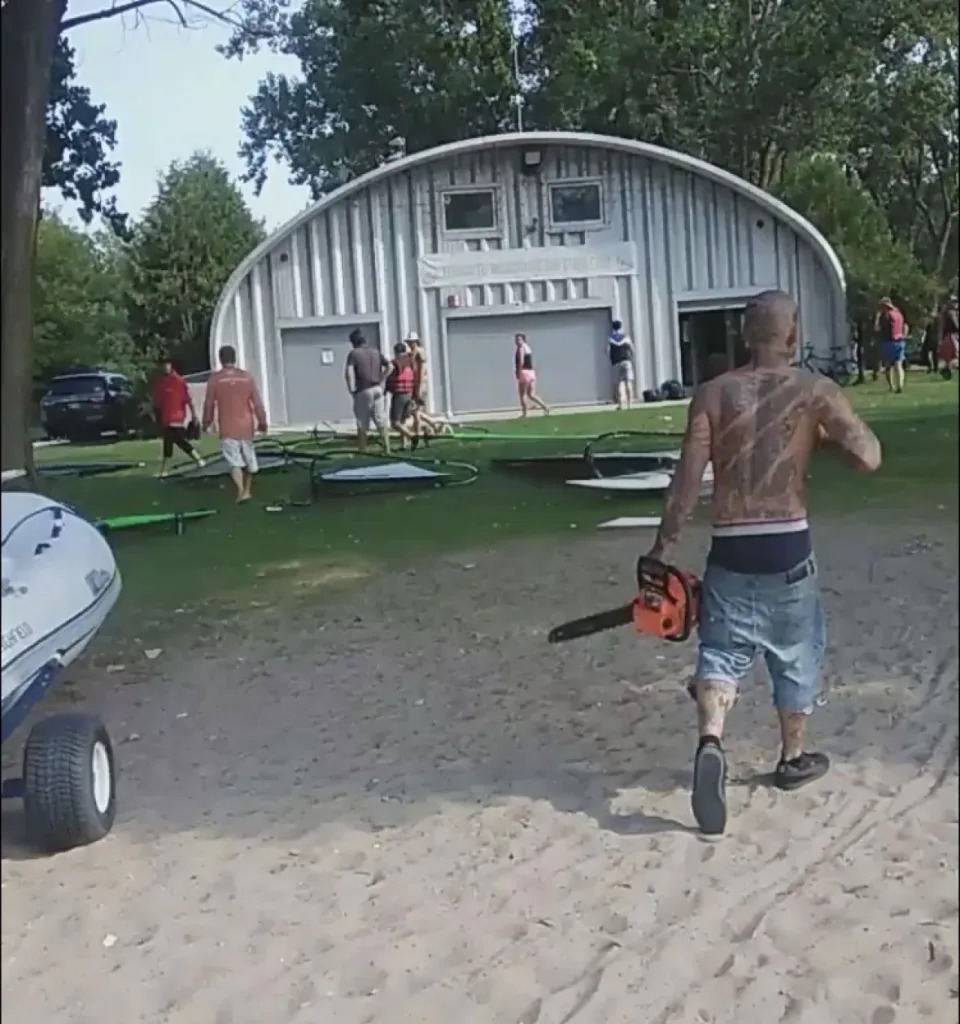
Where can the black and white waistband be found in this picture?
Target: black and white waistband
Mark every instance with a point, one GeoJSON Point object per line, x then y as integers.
{"type": "Point", "coordinates": [763, 528]}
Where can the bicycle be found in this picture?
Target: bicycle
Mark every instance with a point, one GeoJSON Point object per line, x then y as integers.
{"type": "Point", "coordinates": [841, 368]}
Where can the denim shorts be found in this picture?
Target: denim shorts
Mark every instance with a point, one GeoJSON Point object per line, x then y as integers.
{"type": "Point", "coordinates": [776, 615]}
{"type": "Point", "coordinates": [893, 352]}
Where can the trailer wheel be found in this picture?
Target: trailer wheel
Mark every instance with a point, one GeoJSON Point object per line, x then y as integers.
{"type": "Point", "coordinates": [69, 782]}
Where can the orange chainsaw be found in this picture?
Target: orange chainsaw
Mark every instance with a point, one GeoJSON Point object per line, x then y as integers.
{"type": "Point", "coordinates": [667, 605]}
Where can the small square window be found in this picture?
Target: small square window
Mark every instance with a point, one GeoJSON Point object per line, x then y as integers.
{"type": "Point", "coordinates": [576, 203]}
{"type": "Point", "coordinates": [470, 211]}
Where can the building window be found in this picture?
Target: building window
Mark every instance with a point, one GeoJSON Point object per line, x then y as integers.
{"type": "Point", "coordinates": [576, 202]}
{"type": "Point", "coordinates": [474, 210]}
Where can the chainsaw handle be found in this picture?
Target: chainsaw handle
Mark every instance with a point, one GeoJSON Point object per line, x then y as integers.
{"type": "Point", "coordinates": [650, 567]}
{"type": "Point", "coordinates": [652, 570]}
{"type": "Point", "coordinates": [686, 627]}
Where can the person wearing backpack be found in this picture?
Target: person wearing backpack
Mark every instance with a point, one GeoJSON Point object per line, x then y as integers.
{"type": "Point", "coordinates": [620, 351]}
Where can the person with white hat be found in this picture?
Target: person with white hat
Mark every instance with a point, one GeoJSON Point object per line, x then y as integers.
{"type": "Point", "coordinates": [418, 355]}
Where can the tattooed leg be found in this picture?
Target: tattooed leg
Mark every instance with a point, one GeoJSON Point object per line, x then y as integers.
{"type": "Point", "coordinates": [797, 766]}
{"type": "Point", "coordinates": [708, 799]}
{"type": "Point", "coordinates": [714, 700]}
{"type": "Point", "coordinates": [793, 733]}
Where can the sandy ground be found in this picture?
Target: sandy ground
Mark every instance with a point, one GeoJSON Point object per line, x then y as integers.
{"type": "Point", "coordinates": [408, 808]}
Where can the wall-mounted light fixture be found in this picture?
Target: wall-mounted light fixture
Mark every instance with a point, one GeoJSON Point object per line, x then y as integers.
{"type": "Point", "coordinates": [530, 161]}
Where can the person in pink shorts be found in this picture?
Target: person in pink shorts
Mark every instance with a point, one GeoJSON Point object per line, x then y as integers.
{"type": "Point", "coordinates": [526, 376]}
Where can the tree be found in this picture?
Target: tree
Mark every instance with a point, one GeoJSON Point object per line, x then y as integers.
{"type": "Point", "coordinates": [876, 262]}
{"type": "Point", "coordinates": [426, 71]}
{"type": "Point", "coordinates": [76, 158]}
{"type": "Point", "coordinates": [79, 316]}
{"type": "Point", "coordinates": [189, 241]}
{"type": "Point", "coordinates": [751, 86]}
{"type": "Point", "coordinates": [908, 153]}
{"type": "Point", "coordinates": [742, 84]}
{"type": "Point", "coordinates": [28, 35]}
{"type": "Point", "coordinates": [29, 30]}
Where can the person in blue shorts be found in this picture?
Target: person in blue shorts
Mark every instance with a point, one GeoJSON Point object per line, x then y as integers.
{"type": "Point", "coordinates": [759, 425]}
{"type": "Point", "coordinates": [891, 327]}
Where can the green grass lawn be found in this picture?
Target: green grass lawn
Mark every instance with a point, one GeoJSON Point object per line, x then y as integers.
{"type": "Point", "coordinates": [246, 553]}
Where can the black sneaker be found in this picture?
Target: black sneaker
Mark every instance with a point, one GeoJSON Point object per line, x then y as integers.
{"type": "Point", "coordinates": [709, 800]}
{"type": "Point", "coordinates": [806, 768]}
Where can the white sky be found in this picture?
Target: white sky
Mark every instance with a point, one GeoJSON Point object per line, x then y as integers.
{"type": "Point", "coordinates": [171, 94]}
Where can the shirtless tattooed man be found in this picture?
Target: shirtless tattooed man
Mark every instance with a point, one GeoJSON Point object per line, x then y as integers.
{"type": "Point", "coordinates": [759, 425]}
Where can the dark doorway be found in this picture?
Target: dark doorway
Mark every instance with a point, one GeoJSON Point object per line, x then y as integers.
{"type": "Point", "coordinates": [710, 344]}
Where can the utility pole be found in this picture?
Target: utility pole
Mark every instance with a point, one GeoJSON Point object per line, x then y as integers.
{"type": "Point", "coordinates": [518, 95]}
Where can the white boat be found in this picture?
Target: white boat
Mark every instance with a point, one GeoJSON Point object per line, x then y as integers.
{"type": "Point", "coordinates": [59, 583]}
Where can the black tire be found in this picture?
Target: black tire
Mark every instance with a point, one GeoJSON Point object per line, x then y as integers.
{"type": "Point", "coordinates": [59, 795]}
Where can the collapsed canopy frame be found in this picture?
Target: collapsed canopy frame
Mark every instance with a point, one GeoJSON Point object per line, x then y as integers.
{"type": "Point", "coordinates": [272, 455]}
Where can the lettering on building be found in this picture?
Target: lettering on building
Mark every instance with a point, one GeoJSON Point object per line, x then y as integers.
{"type": "Point", "coordinates": [511, 265]}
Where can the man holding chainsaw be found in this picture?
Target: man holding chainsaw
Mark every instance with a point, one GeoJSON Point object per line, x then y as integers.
{"type": "Point", "coordinates": [759, 425]}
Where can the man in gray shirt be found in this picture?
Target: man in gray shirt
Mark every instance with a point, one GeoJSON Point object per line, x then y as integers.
{"type": "Point", "coordinates": [365, 371]}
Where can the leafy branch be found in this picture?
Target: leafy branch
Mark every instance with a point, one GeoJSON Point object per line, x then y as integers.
{"type": "Point", "coordinates": [184, 13]}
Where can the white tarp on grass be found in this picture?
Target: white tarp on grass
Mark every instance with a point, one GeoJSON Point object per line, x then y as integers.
{"type": "Point", "coordinates": [384, 471]}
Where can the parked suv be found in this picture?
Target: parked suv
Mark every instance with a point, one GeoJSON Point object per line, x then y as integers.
{"type": "Point", "coordinates": [79, 406]}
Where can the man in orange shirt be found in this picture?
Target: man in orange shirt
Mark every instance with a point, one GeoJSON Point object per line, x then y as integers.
{"type": "Point", "coordinates": [233, 397]}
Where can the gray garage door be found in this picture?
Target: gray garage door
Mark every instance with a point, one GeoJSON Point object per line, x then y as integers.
{"type": "Point", "coordinates": [569, 355]}
{"type": "Point", "coordinates": [313, 359]}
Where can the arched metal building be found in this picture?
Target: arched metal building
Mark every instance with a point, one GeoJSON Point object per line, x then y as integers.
{"type": "Point", "coordinates": [547, 233]}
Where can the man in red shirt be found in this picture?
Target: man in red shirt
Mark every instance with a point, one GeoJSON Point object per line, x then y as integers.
{"type": "Point", "coordinates": [892, 328]}
{"type": "Point", "coordinates": [173, 409]}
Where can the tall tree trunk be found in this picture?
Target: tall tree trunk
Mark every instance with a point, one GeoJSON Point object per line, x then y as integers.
{"type": "Point", "coordinates": [943, 243]}
{"type": "Point", "coordinates": [28, 35]}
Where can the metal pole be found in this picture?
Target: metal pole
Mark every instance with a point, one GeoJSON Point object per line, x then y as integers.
{"type": "Point", "coordinates": [518, 96]}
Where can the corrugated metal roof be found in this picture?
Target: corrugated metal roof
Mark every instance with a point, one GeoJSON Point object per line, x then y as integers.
{"type": "Point", "coordinates": [634, 147]}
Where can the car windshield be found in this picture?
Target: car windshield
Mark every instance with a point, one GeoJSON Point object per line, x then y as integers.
{"type": "Point", "coordinates": [87, 385]}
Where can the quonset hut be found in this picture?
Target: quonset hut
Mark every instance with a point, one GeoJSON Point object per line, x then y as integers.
{"type": "Point", "coordinates": [551, 234]}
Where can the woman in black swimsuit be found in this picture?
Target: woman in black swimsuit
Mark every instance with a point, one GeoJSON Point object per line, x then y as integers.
{"type": "Point", "coordinates": [526, 376]}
